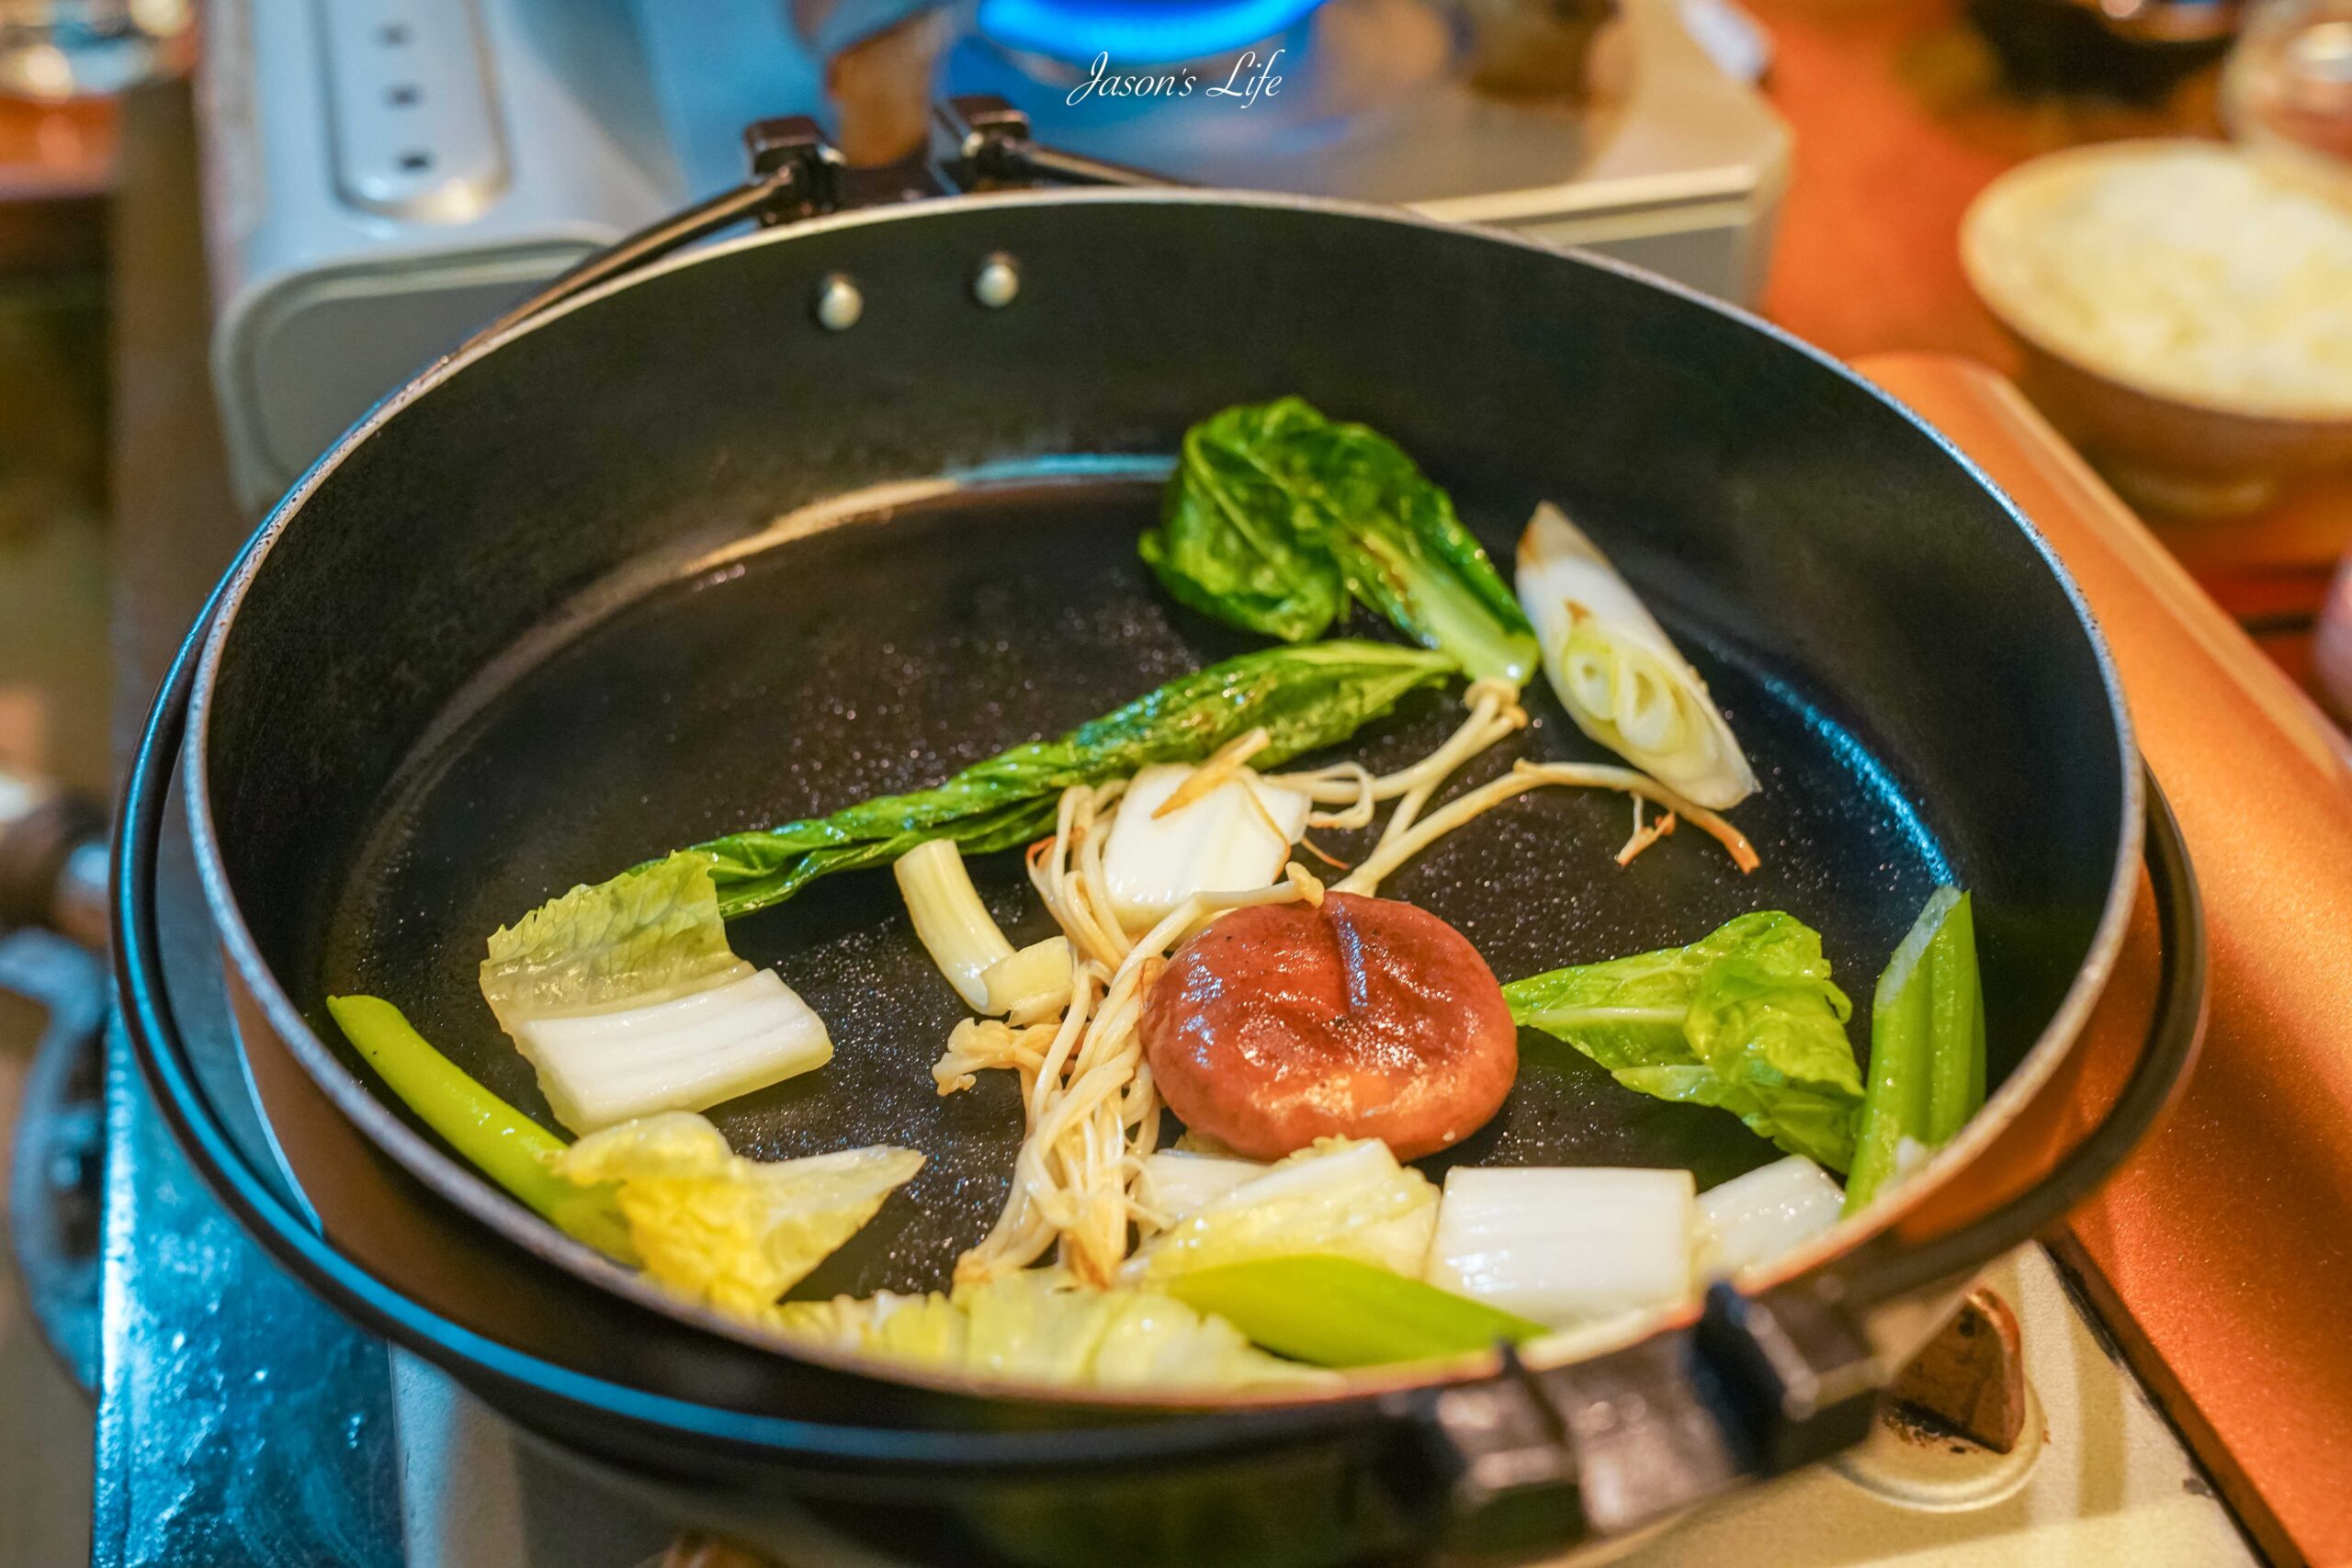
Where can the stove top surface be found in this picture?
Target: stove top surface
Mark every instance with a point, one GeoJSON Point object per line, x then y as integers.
{"type": "Point", "coordinates": [1468, 107]}
{"type": "Point", "coordinates": [375, 191]}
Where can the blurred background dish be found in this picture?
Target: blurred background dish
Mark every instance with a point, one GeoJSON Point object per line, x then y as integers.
{"type": "Point", "coordinates": [2185, 315]}
{"type": "Point", "coordinates": [2133, 50]}
{"type": "Point", "coordinates": [2287, 90]}
{"type": "Point", "coordinates": [55, 50]}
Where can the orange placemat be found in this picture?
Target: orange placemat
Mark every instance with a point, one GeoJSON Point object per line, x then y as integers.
{"type": "Point", "coordinates": [2222, 1251]}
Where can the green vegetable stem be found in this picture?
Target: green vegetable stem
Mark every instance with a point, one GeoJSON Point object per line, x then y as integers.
{"type": "Point", "coordinates": [1927, 1076]}
{"type": "Point", "coordinates": [501, 1142]}
{"type": "Point", "coordinates": [1276, 517]}
{"type": "Point", "coordinates": [1338, 1312]}
{"type": "Point", "coordinates": [1304, 697]}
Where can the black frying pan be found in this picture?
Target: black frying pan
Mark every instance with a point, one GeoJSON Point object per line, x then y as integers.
{"type": "Point", "coordinates": [536, 619]}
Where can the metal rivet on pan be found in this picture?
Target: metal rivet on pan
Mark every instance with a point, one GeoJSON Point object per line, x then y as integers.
{"type": "Point", "coordinates": [997, 282]}
{"type": "Point", "coordinates": [838, 303]}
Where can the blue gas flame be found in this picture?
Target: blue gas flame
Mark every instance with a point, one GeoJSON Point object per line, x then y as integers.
{"type": "Point", "coordinates": [1136, 32]}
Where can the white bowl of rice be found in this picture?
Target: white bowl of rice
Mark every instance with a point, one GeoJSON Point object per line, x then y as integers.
{"type": "Point", "coordinates": [2186, 314]}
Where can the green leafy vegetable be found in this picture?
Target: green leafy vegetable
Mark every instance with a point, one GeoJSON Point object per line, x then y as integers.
{"type": "Point", "coordinates": [642, 937]}
{"type": "Point", "coordinates": [1276, 516]}
{"type": "Point", "coordinates": [1337, 1311]}
{"type": "Point", "coordinates": [1040, 1326]}
{"type": "Point", "coordinates": [1926, 1047]}
{"type": "Point", "coordinates": [502, 1143]}
{"type": "Point", "coordinates": [1240, 543]}
{"type": "Point", "coordinates": [1304, 697]}
{"type": "Point", "coordinates": [1745, 1018]}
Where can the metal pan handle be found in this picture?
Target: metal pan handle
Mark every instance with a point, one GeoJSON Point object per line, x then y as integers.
{"type": "Point", "coordinates": [978, 142]}
{"type": "Point", "coordinates": [1763, 1384]}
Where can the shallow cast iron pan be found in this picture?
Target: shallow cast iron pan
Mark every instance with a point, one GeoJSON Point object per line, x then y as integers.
{"type": "Point", "coordinates": [670, 554]}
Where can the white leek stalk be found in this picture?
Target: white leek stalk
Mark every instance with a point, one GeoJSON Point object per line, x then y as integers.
{"type": "Point", "coordinates": [1177, 1185]}
{"type": "Point", "coordinates": [1758, 1217]}
{"type": "Point", "coordinates": [1565, 1246]}
{"type": "Point", "coordinates": [1231, 838]}
{"type": "Point", "coordinates": [685, 1054]}
{"type": "Point", "coordinates": [1031, 985]}
{"type": "Point", "coordinates": [1618, 673]}
{"type": "Point", "coordinates": [954, 926]}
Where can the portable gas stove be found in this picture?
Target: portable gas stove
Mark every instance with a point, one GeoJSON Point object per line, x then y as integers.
{"type": "Point", "coordinates": [240, 1422]}
{"type": "Point", "coordinates": [382, 176]}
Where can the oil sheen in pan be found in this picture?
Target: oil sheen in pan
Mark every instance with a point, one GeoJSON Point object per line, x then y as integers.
{"type": "Point", "coordinates": [839, 662]}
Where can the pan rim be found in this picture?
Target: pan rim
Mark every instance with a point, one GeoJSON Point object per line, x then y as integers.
{"type": "Point", "coordinates": [477, 1198]}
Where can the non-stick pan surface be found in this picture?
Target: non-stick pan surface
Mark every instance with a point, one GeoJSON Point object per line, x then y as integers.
{"type": "Point", "coordinates": [475, 659]}
{"type": "Point", "coordinates": [881, 653]}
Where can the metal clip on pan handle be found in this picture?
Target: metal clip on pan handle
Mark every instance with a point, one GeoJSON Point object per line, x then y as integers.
{"type": "Point", "coordinates": [1763, 1384]}
{"type": "Point", "coordinates": [978, 143]}
{"type": "Point", "coordinates": [982, 143]}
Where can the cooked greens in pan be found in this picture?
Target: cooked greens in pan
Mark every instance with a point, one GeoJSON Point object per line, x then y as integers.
{"type": "Point", "coordinates": [1234, 1052]}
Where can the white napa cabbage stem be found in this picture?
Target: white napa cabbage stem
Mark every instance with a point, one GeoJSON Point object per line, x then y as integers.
{"type": "Point", "coordinates": [1618, 673]}
{"type": "Point", "coordinates": [950, 920]}
{"type": "Point", "coordinates": [1092, 1113]}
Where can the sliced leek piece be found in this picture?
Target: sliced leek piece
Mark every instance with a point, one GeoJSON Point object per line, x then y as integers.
{"type": "Point", "coordinates": [1031, 985]}
{"type": "Point", "coordinates": [1618, 673]}
{"type": "Point", "coordinates": [1927, 1066]}
{"type": "Point", "coordinates": [1337, 1311]}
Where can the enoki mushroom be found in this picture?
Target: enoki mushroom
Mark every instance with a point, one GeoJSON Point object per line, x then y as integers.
{"type": "Point", "coordinates": [1522, 777]}
{"type": "Point", "coordinates": [1067, 871]}
{"type": "Point", "coordinates": [1091, 1112]}
{"type": "Point", "coordinates": [1495, 713]}
{"type": "Point", "coordinates": [1645, 834]}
